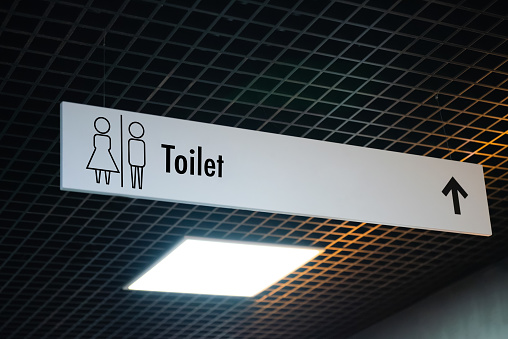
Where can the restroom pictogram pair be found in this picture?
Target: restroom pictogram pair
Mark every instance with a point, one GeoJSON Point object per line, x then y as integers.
{"type": "Point", "coordinates": [102, 161]}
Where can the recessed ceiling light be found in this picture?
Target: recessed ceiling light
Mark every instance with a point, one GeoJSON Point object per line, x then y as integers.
{"type": "Point", "coordinates": [222, 267]}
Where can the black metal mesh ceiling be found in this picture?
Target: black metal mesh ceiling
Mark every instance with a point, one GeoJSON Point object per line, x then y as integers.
{"type": "Point", "coordinates": [420, 77]}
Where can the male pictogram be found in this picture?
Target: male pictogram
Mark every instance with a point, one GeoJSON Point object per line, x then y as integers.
{"type": "Point", "coordinates": [137, 153]}
{"type": "Point", "coordinates": [102, 159]}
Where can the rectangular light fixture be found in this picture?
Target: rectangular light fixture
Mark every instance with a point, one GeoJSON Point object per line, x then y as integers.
{"type": "Point", "coordinates": [222, 267]}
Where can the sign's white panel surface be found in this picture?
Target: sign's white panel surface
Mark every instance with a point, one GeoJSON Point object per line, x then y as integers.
{"type": "Point", "coordinates": [115, 152]}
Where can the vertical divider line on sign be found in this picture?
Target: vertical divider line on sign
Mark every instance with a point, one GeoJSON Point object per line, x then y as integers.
{"type": "Point", "coordinates": [121, 151]}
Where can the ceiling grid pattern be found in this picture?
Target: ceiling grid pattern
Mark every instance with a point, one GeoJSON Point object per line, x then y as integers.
{"type": "Point", "coordinates": [421, 77]}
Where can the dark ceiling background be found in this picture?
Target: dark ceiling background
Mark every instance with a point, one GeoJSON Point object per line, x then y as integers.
{"type": "Point", "coordinates": [420, 77]}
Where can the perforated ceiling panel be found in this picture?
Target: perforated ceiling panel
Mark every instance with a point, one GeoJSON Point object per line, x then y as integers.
{"type": "Point", "coordinates": [419, 77]}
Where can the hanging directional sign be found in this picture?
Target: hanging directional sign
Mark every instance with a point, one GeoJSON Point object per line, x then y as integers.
{"type": "Point", "coordinates": [108, 151]}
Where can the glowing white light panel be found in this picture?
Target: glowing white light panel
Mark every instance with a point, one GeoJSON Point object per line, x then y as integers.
{"type": "Point", "coordinates": [221, 267]}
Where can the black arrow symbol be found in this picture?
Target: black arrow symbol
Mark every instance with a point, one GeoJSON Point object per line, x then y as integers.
{"type": "Point", "coordinates": [454, 186]}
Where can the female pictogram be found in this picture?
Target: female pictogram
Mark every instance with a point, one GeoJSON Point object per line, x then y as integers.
{"type": "Point", "coordinates": [137, 153]}
{"type": "Point", "coordinates": [102, 159]}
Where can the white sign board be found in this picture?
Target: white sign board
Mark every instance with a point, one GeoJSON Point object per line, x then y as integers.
{"type": "Point", "coordinates": [115, 152]}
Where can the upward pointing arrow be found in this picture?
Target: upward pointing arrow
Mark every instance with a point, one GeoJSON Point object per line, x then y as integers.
{"type": "Point", "coordinates": [454, 186]}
